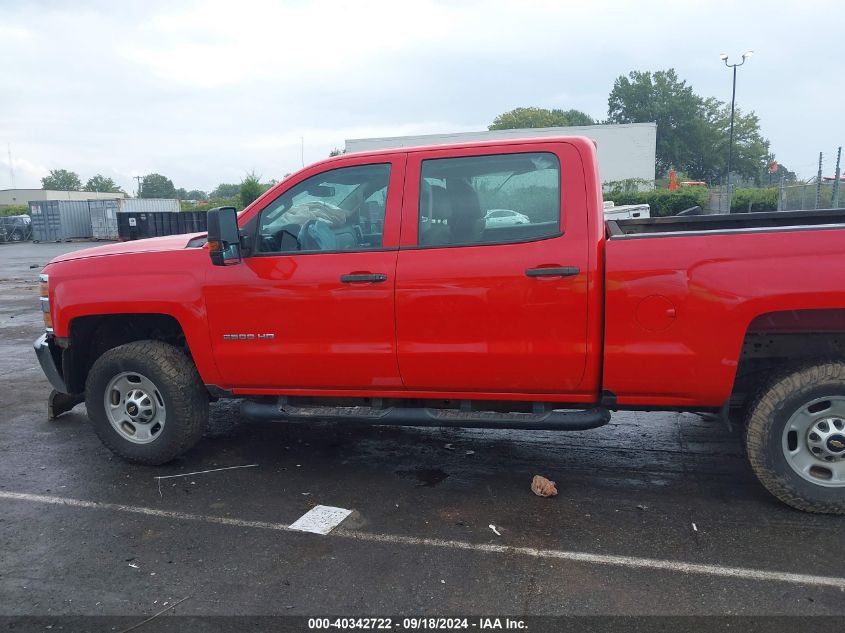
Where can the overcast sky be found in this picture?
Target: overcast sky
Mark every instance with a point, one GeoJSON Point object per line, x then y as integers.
{"type": "Point", "coordinates": [205, 91]}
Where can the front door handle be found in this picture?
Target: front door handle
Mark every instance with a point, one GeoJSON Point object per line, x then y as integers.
{"type": "Point", "coordinates": [558, 271]}
{"type": "Point", "coordinates": [362, 278]}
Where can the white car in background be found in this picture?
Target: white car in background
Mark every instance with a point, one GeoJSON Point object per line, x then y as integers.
{"type": "Point", "coordinates": [505, 217]}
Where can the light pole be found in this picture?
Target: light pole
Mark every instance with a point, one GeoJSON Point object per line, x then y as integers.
{"type": "Point", "coordinates": [724, 58]}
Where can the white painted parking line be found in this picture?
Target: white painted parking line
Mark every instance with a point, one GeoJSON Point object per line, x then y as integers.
{"type": "Point", "coordinates": [635, 562]}
{"type": "Point", "coordinates": [320, 519]}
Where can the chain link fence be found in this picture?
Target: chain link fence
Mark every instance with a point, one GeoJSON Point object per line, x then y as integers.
{"type": "Point", "coordinates": [787, 198]}
{"type": "Point", "coordinates": [15, 228]}
{"type": "Point", "coordinates": [797, 197]}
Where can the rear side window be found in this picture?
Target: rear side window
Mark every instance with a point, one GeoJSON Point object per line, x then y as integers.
{"type": "Point", "coordinates": [489, 199]}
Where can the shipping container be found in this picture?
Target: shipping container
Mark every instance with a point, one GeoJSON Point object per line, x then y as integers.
{"type": "Point", "coordinates": [132, 226]}
{"type": "Point", "coordinates": [138, 226]}
{"type": "Point", "coordinates": [57, 220]}
{"type": "Point", "coordinates": [103, 219]}
{"type": "Point", "coordinates": [148, 205]}
{"type": "Point", "coordinates": [195, 221]}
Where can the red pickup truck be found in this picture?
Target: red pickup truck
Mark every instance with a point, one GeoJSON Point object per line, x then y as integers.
{"type": "Point", "coordinates": [473, 285]}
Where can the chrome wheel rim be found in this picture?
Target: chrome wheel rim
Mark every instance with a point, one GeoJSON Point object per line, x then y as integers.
{"type": "Point", "coordinates": [814, 442]}
{"type": "Point", "coordinates": [135, 407]}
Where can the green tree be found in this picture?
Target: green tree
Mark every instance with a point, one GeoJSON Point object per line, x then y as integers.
{"type": "Point", "coordinates": [13, 209]}
{"type": "Point", "coordinates": [196, 194]}
{"type": "Point", "coordinates": [750, 149]}
{"type": "Point", "coordinates": [754, 200]}
{"type": "Point", "coordinates": [519, 118]}
{"type": "Point", "coordinates": [336, 152]}
{"type": "Point", "coordinates": [662, 98]}
{"type": "Point", "coordinates": [61, 180]}
{"type": "Point", "coordinates": [225, 190]}
{"type": "Point", "coordinates": [101, 183]}
{"type": "Point", "coordinates": [692, 132]}
{"type": "Point", "coordinates": [157, 186]}
{"type": "Point", "coordinates": [251, 188]}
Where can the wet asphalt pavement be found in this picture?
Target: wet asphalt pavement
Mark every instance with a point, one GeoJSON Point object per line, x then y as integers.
{"type": "Point", "coordinates": [665, 487]}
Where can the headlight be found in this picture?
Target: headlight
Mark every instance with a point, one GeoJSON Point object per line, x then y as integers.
{"type": "Point", "coordinates": [44, 291]}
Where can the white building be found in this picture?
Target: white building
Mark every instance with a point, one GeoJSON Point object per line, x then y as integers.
{"type": "Point", "coordinates": [25, 196]}
{"type": "Point", "coordinates": [625, 151]}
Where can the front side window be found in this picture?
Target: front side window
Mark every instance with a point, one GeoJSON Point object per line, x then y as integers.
{"type": "Point", "coordinates": [338, 210]}
{"type": "Point", "coordinates": [489, 199]}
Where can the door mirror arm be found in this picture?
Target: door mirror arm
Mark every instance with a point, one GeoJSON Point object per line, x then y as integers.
{"type": "Point", "coordinates": [246, 243]}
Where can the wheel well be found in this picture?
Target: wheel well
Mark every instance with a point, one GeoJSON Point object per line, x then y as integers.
{"type": "Point", "coordinates": [779, 339]}
{"type": "Point", "coordinates": [92, 336]}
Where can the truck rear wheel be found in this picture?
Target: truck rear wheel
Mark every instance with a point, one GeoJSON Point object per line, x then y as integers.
{"type": "Point", "coordinates": [146, 401]}
{"type": "Point", "coordinates": [795, 438]}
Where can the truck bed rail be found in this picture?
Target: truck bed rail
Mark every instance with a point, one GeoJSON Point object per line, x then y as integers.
{"type": "Point", "coordinates": [716, 224]}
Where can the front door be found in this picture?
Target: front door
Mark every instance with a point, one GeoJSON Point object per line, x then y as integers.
{"type": "Point", "coordinates": [492, 277]}
{"type": "Point", "coordinates": [313, 307]}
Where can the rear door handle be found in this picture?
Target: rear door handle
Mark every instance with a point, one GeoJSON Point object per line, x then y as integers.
{"type": "Point", "coordinates": [362, 278]}
{"type": "Point", "coordinates": [559, 271]}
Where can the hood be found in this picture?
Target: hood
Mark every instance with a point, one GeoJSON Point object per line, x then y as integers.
{"type": "Point", "coordinates": [151, 245]}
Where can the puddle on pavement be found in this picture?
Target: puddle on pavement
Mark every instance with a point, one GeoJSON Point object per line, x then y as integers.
{"type": "Point", "coordinates": [428, 477]}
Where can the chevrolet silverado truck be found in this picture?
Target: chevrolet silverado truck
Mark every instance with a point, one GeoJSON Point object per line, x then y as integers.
{"type": "Point", "coordinates": [374, 288]}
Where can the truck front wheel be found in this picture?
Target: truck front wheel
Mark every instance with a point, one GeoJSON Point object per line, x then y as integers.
{"type": "Point", "coordinates": [146, 401]}
{"type": "Point", "coordinates": [795, 438]}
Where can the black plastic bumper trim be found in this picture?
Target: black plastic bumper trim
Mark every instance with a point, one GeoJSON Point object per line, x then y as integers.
{"type": "Point", "coordinates": [44, 352]}
{"type": "Point", "coordinates": [608, 399]}
{"type": "Point", "coordinates": [219, 392]}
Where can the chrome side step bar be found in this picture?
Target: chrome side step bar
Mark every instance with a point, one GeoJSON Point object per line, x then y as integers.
{"type": "Point", "coordinates": [555, 420]}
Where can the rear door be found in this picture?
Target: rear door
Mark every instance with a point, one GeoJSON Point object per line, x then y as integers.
{"type": "Point", "coordinates": [491, 286]}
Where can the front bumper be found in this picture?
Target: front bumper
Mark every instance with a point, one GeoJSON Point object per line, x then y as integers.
{"type": "Point", "coordinates": [45, 349]}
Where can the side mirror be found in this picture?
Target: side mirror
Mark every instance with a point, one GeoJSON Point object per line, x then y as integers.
{"type": "Point", "coordinates": [224, 244]}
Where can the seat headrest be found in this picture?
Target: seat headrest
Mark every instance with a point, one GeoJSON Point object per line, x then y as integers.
{"type": "Point", "coordinates": [441, 205]}
{"type": "Point", "coordinates": [467, 221]}
{"type": "Point", "coordinates": [464, 197]}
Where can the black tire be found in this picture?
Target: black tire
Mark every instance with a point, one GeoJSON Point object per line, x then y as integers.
{"type": "Point", "coordinates": [176, 378]}
{"type": "Point", "coordinates": [769, 414]}
{"type": "Point", "coordinates": [15, 236]}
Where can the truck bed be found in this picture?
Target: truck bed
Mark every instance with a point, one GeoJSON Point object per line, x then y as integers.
{"type": "Point", "coordinates": [717, 224]}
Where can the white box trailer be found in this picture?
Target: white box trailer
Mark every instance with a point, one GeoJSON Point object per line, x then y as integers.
{"type": "Point", "coordinates": [626, 211]}
{"type": "Point", "coordinates": [625, 151]}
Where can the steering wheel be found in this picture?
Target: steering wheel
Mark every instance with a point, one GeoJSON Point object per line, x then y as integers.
{"type": "Point", "coordinates": [317, 235]}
